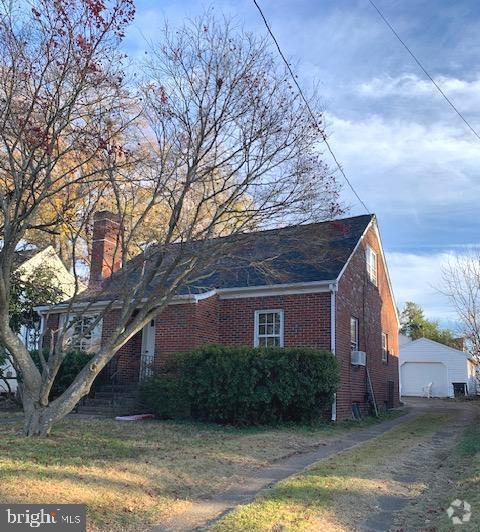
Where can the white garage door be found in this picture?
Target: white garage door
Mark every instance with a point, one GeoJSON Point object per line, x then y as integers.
{"type": "Point", "coordinates": [416, 375]}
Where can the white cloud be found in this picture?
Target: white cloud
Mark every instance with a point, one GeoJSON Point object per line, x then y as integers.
{"type": "Point", "coordinates": [464, 93]}
{"type": "Point", "coordinates": [401, 163]}
{"type": "Point", "coordinates": [418, 278]}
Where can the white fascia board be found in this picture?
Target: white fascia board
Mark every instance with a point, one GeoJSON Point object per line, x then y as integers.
{"type": "Point", "coordinates": [373, 222]}
{"type": "Point", "coordinates": [224, 293]}
{"type": "Point", "coordinates": [385, 267]}
{"type": "Point", "coordinates": [176, 300]}
{"type": "Point", "coordinates": [205, 295]}
{"type": "Point", "coordinates": [275, 290]}
{"type": "Point", "coordinates": [342, 271]}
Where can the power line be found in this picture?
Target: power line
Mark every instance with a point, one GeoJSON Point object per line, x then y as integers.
{"type": "Point", "coordinates": [447, 99]}
{"type": "Point", "coordinates": [308, 105]}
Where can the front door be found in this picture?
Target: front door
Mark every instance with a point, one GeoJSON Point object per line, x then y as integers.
{"type": "Point", "coordinates": [148, 351]}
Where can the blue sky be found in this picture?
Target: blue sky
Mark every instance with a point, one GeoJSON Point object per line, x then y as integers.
{"type": "Point", "coordinates": [413, 161]}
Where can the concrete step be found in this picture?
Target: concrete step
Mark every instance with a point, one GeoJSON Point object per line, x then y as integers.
{"type": "Point", "coordinates": [109, 395]}
{"type": "Point", "coordinates": [105, 403]}
{"type": "Point", "coordinates": [117, 388]}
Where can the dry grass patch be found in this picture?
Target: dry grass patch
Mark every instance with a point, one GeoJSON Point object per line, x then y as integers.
{"type": "Point", "coordinates": [340, 492]}
{"type": "Point", "coordinates": [132, 475]}
{"type": "Point", "coordinates": [456, 477]}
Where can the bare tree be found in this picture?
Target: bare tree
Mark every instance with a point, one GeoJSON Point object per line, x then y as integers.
{"type": "Point", "coordinates": [60, 93]}
{"type": "Point", "coordinates": [228, 146]}
{"type": "Point", "coordinates": [461, 284]}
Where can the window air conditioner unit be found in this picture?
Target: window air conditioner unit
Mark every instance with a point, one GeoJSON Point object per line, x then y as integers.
{"type": "Point", "coordinates": [359, 358]}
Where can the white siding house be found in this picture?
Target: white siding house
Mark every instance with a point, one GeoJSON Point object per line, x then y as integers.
{"type": "Point", "coordinates": [424, 362]}
{"type": "Point", "coordinates": [26, 261]}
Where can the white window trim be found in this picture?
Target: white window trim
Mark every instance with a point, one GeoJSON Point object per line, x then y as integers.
{"type": "Point", "coordinates": [385, 349]}
{"type": "Point", "coordinates": [357, 333]}
{"type": "Point", "coordinates": [372, 275]}
{"type": "Point", "coordinates": [256, 337]}
{"type": "Point", "coordinates": [97, 333]}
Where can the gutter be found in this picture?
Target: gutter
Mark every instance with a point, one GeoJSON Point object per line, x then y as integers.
{"type": "Point", "coordinates": [223, 293]}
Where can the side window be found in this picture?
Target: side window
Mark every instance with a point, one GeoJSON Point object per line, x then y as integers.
{"type": "Point", "coordinates": [371, 260]}
{"type": "Point", "coordinates": [354, 334]}
{"type": "Point", "coordinates": [268, 328]}
{"type": "Point", "coordinates": [384, 347]}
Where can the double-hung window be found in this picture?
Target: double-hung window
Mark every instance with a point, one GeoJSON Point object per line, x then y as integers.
{"type": "Point", "coordinates": [371, 260]}
{"type": "Point", "coordinates": [84, 333]}
{"type": "Point", "coordinates": [354, 334]}
{"type": "Point", "coordinates": [384, 347]}
{"type": "Point", "coordinates": [268, 328]}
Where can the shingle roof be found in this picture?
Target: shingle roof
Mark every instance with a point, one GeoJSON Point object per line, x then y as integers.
{"type": "Point", "coordinates": [292, 254]}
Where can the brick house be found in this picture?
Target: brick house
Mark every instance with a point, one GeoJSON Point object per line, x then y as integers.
{"type": "Point", "coordinates": [330, 290]}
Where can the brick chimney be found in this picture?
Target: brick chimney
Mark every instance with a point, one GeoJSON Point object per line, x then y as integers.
{"type": "Point", "coordinates": [106, 247]}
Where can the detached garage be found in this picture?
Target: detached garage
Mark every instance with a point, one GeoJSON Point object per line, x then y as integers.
{"type": "Point", "coordinates": [430, 368]}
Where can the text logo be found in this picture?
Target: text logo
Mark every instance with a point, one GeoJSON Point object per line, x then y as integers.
{"type": "Point", "coordinates": [459, 512]}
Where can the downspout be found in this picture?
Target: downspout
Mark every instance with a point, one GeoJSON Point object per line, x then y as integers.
{"type": "Point", "coordinates": [333, 335]}
{"type": "Point", "coordinates": [41, 330]}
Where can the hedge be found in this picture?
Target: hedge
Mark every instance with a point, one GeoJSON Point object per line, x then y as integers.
{"type": "Point", "coordinates": [242, 385]}
{"type": "Point", "coordinates": [73, 362]}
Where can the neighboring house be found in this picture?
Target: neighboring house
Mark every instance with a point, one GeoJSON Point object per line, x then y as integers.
{"type": "Point", "coordinates": [26, 261]}
{"type": "Point", "coordinates": [430, 368]}
{"type": "Point", "coordinates": [331, 290]}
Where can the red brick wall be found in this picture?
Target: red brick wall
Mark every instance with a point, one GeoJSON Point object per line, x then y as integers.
{"type": "Point", "coordinates": [374, 308]}
{"type": "Point", "coordinates": [175, 332]}
{"type": "Point", "coordinates": [106, 254]}
{"type": "Point", "coordinates": [306, 319]}
{"type": "Point", "coordinates": [51, 325]}
{"type": "Point", "coordinates": [183, 327]}
{"type": "Point", "coordinates": [126, 363]}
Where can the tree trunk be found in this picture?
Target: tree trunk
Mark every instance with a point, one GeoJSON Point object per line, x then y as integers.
{"type": "Point", "coordinates": [39, 420]}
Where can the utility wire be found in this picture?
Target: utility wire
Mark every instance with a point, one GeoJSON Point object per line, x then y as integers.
{"type": "Point", "coordinates": [324, 137]}
{"type": "Point", "coordinates": [447, 99]}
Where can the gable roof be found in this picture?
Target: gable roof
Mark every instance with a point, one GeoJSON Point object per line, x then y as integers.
{"type": "Point", "coordinates": [22, 256]}
{"type": "Point", "coordinates": [407, 346]}
{"type": "Point", "coordinates": [307, 253]}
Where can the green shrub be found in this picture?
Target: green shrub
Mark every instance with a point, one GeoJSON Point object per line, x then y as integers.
{"type": "Point", "coordinates": [165, 395]}
{"type": "Point", "coordinates": [242, 385]}
{"type": "Point", "coordinates": [71, 366]}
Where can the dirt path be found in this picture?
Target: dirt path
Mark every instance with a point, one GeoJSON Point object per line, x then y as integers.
{"type": "Point", "coordinates": [425, 476]}
{"type": "Point", "coordinates": [419, 470]}
{"type": "Point", "coordinates": [200, 514]}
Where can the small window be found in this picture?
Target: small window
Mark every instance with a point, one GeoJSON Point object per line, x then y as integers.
{"type": "Point", "coordinates": [384, 347]}
{"type": "Point", "coordinates": [371, 259]}
{"type": "Point", "coordinates": [268, 328]}
{"type": "Point", "coordinates": [354, 334]}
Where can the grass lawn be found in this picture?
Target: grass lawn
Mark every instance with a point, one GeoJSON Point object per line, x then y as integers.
{"type": "Point", "coordinates": [340, 492]}
{"type": "Point", "coordinates": [132, 475]}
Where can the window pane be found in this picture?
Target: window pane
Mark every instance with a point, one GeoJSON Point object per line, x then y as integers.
{"type": "Point", "coordinates": [354, 334]}
{"type": "Point", "coordinates": [268, 333]}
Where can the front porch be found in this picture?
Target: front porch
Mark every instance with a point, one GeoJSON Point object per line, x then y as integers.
{"type": "Point", "coordinates": [134, 362]}
{"type": "Point", "coordinates": [115, 390]}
